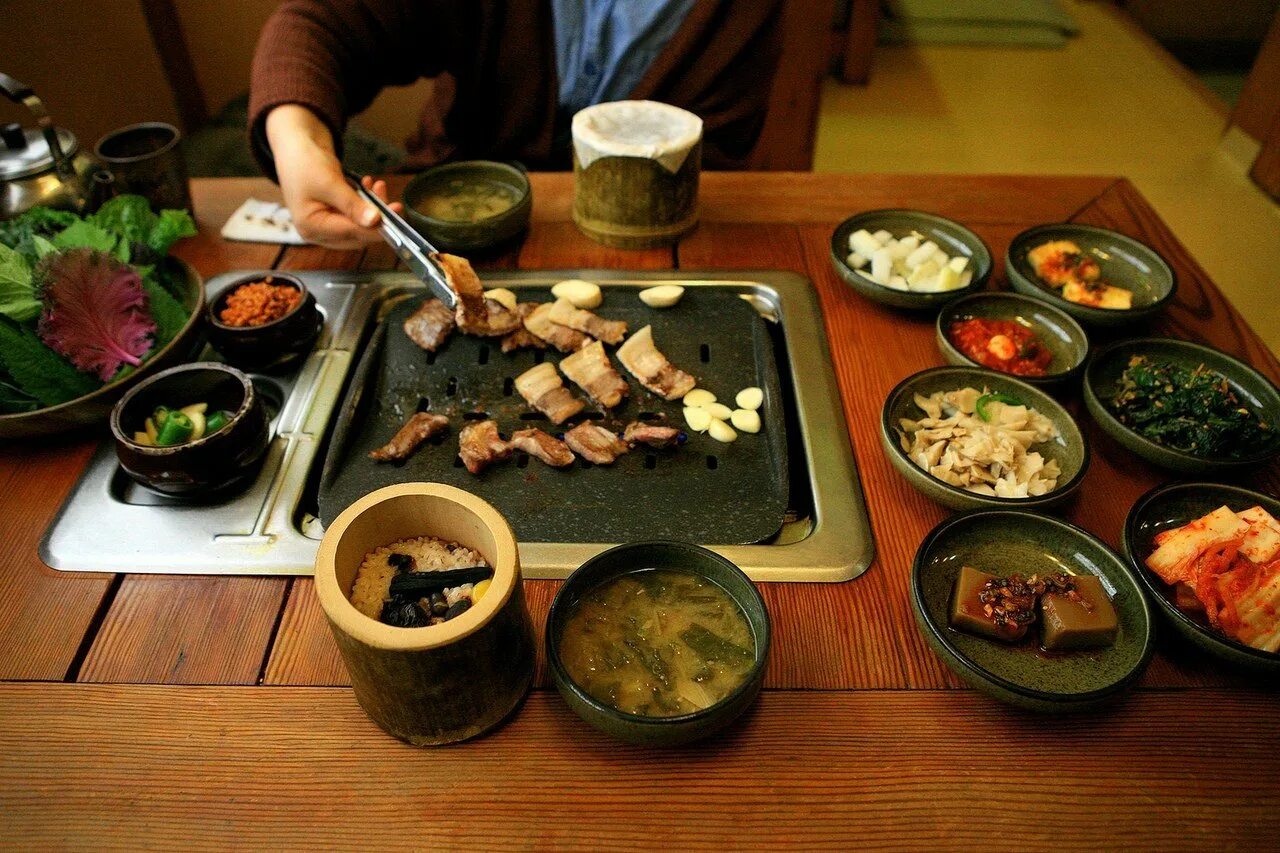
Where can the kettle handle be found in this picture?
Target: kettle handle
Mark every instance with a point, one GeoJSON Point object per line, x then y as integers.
{"type": "Point", "coordinates": [16, 91]}
{"type": "Point", "coordinates": [21, 93]}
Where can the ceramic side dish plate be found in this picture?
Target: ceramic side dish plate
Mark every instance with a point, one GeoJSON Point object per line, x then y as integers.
{"type": "Point", "coordinates": [1102, 380]}
{"type": "Point", "coordinates": [1068, 449]}
{"type": "Point", "coordinates": [1124, 262]}
{"type": "Point", "coordinates": [1053, 328]}
{"type": "Point", "coordinates": [1171, 506]}
{"type": "Point", "coordinates": [951, 237]}
{"type": "Point", "coordinates": [1002, 542]}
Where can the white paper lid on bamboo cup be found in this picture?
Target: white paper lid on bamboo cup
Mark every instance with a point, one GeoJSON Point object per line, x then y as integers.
{"type": "Point", "coordinates": [648, 129]}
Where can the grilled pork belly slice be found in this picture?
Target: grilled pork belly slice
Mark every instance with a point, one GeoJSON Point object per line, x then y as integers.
{"type": "Point", "coordinates": [595, 443]}
{"type": "Point", "coordinates": [654, 435]}
{"type": "Point", "coordinates": [522, 338]}
{"type": "Point", "coordinates": [561, 337]}
{"type": "Point", "coordinates": [643, 361]}
{"type": "Point", "coordinates": [476, 314]}
{"type": "Point", "coordinates": [543, 389]}
{"type": "Point", "coordinates": [544, 446]}
{"type": "Point", "coordinates": [431, 325]}
{"type": "Point", "coordinates": [420, 427]}
{"type": "Point", "coordinates": [479, 445]}
{"type": "Point", "coordinates": [591, 370]}
{"type": "Point", "coordinates": [610, 331]}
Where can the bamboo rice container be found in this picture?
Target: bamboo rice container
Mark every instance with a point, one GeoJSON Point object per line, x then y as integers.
{"type": "Point", "coordinates": [636, 166]}
{"type": "Point", "coordinates": [441, 683]}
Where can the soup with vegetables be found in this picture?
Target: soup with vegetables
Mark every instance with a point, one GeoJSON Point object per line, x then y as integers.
{"type": "Point", "coordinates": [658, 643]}
{"type": "Point", "coordinates": [468, 200]}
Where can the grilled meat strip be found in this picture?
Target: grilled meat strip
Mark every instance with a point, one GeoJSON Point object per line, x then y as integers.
{"type": "Point", "coordinates": [591, 370]}
{"type": "Point", "coordinates": [543, 389]}
{"type": "Point", "coordinates": [479, 445]}
{"type": "Point", "coordinates": [643, 361]}
{"type": "Point", "coordinates": [609, 331]}
{"type": "Point", "coordinates": [654, 435]}
{"type": "Point", "coordinates": [420, 427]}
{"type": "Point", "coordinates": [431, 325]}
{"type": "Point", "coordinates": [477, 315]}
{"type": "Point", "coordinates": [561, 337]}
{"type": "Point", "coordinates": [595, 443]}
{"type": "Point", "coordinates": [548, 448]}
{"type": "Point", "coordinates": [522, 338]}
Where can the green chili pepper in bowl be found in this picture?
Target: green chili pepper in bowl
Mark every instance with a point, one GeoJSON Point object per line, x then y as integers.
{"type": "Point", "coordinates": [981, 406]}
{"type": "Point", "coordinates": [217, 421]}
{"type": "Point", "coordinates": [177, 429]}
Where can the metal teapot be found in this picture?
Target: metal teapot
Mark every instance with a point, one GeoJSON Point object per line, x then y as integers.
{"type": "Point", "coordinates": [41, 165]}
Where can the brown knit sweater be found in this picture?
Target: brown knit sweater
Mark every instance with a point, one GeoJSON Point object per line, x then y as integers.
{"type": "Point", "coordinates": [334, 56]}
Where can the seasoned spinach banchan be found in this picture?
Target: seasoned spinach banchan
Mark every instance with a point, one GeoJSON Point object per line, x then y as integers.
{"type": "Point", "coordinates": [658, 643]}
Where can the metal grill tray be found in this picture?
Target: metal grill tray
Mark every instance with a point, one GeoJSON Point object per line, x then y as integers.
{"type": "Point", "coordinates": [109, 524]}
{"type": "Point", "coordinates": [704, 491]}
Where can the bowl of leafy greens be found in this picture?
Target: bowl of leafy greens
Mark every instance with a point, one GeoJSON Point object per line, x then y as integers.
{"type": "Point", "coordinates": [1183, 406]}
{"type": "Point", "coordinates": [88, 306]}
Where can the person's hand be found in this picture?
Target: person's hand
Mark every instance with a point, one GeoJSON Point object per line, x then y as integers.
{"type": "Point", "coordinates": [325, 208]}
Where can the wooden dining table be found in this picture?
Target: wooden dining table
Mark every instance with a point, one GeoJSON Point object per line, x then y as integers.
{"type": "Point", "coordinates": [158, 710]}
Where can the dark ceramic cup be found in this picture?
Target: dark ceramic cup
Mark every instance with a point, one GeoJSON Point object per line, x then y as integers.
{"type": "Point", "coordinates": [272, 346]}
{"type": "Point", "coordinates": [146, 159]}
{"type": "Point", "coordinates": [672, 556]}
{"type": "Point", "coordinates": [215, 465]}
{"type": "Point", "coordinates": [452, 236]}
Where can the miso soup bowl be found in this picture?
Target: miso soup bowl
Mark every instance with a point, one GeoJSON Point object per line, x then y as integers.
{"type": "Point", "coordinates": [443, 683]}
{"type": "Point", "coordinates": [670, 556]}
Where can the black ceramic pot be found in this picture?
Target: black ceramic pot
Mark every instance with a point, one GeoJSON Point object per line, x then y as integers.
{"type": "Point", "coordinates": [272, 346]}
{"type": "Point", "coordinates": [217, 464]}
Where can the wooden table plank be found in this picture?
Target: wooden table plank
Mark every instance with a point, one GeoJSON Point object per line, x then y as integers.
{"type": "Point", "coordinates": [257, 767]}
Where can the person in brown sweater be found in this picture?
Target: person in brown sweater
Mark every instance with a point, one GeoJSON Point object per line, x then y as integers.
{"type": "Point", "coordinates": [518, 69]}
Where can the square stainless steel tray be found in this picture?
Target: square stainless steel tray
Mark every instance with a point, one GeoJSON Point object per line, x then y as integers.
{"type": "Point", "coordinates": [109, 524]}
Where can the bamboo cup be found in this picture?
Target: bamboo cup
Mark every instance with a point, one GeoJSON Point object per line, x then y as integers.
{"type": "Point", "coordinates": [441, 683]}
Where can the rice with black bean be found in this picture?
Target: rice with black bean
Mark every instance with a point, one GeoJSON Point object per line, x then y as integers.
{"type": "Point", "coordinates": [372, 585]}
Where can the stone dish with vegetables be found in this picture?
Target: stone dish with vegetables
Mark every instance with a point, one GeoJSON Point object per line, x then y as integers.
{"type": "Point", "coordinates": [908, 258]}
{"type": "Point", "coordinates": [971, 438]}
{"type": "Point", "coordinates": [88, 307]}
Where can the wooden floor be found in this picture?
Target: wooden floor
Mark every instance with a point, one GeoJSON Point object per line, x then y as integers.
{"type": "Point", "coordinates": [1111, 102]}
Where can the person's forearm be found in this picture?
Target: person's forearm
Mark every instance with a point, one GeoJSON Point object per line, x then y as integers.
{"type": "Point", "coordinates": [290, 125]}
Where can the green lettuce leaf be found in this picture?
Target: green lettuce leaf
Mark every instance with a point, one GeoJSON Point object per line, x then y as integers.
{"type": "Point", "coordinates": [86, 235]}
{"type": "Point", "coordinates": [38, 221]}
{"type": "Point", "coordinates": [168, 312]}
{"type": "Point", "coordinates": [171, 226]}
{"type": "Point", "coordinates": [17, 294]}
{"type": "Point", "coordinates": [37, 370]}
{"type": "Point", "coordinates": [126, 216]}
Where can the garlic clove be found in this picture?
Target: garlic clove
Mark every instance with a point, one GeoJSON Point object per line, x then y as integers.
{"type": "Point", "coordinates": [721, 431]}
{"type": "Point", "coordinates": [719, 411]}
{"type": "Point", "coordinates": [750, 398]}
{"type": "Point", "coordinates": [662, 296]}
{"type": "Point", "coordinates": [582, 294]}
{"type": "Point", "coordinates": [697, 419]}
{"type": "Point", "coordinates": [699, 397]}
{"type": "Point", "coordinates": [746, 420]}
{"type": "Point", "coordinates": [503, 296]}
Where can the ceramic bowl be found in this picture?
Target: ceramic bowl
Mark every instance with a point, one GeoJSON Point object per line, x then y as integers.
{"type": "Point", "coordinates": [442, 683]}
{"type": "Point", "coordinates": [673, 556]}
{"type": "Point", "coordinates": [1057, 332]}
{"type": "Point", "coordinates": [1102, 379]}
{"type": "Point", "coordinates": [451, 236]}
{"type": "Point", "coordinates": [272, 346]}
{"type": "Point", "coordinates": [95, 407]}
{"type": "Point", "coordinates": [218, 464]}
{"type": "Point", "coordinates": [952, 237]}
{"type": "Point", "coordinates": [1173, 505]}
{"type": "Point", "coordinates": [1125, 263]}
{"type": "Point", "coordinates": [1069, 448]}
{"type": "Point", "coordinates": [1005, 541]}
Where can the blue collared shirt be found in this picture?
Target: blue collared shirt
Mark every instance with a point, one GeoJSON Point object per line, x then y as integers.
{"type": "Point", "coordinates": [604, 47]}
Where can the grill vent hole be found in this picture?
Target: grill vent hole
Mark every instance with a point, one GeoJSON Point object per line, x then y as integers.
{"type": "Point", "coordinates": [475, 416]}
{"type": "Point", "coordinates": [451, 387]}
{"type": "Point", "coordinates": [650, 461]}
{"type": "Point", "coordinates": [532, 416]}
{"type": "Point", "coordinates": [431, 358]}
{"type": "Point", "coordinates": [523, 461]}
{"type": "Point", "coordinates": [484, 353]}
{"type": "Point", "coordinates": [508, 386]}
{"type": "Point", "coordinates": [704, 353]}
{"type": "Point", "coordinates": [457, 462]}
{"type": "Point", "coordinates": [594, 416]}
{"type": "Point", "coordinates": [712, 463]}
{"type": "Point", "coordinates": [424, 404]}
{"type": "Point", "coordinates": [539, 356]}
{"type": "Point", "coordinates": [650, 417]}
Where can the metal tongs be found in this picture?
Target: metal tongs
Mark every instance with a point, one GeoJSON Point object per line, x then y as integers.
{"type": "Point", "coordinates": [410, 246]}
